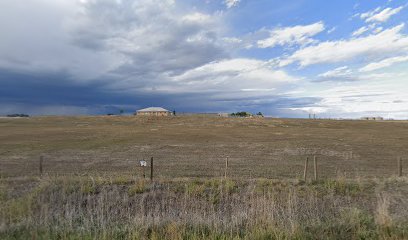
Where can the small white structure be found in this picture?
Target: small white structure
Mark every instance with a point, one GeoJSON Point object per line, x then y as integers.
{"type": "Point", "coordinates": [223, 114]}
{"type": "Point", "coordinates": [153, 111]}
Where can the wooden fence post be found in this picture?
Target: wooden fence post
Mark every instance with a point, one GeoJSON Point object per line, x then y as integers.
{"type": "Point", "coordinates": [399, 167]}
{"type": "Point", "coordinates": [151, 169]}
{"type": "Point", "coordinates": [315, 167]}
{"type": "Point", "coordinates": [226, 167]}
{"type": "Point", "coordinates": [41, 165]}
{"type": "Point", "coordinates": [305, 169]}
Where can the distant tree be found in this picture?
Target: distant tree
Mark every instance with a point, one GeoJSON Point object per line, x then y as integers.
{"type": "Point", "coordinates": [18, 115]}
{"type": "Point", "coordinates": [241, 114]}
{"type": "Point", "coordinates": [174, 112]}
{"type": "Point", "coordinates": [259, 114]}
{"type": "Point", "coordinates": [121, 111]}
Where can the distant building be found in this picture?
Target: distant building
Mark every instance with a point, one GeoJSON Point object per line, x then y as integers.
{"type": "Point", "coordinates": [372, 118]}
{"type": "Point", "coordinates": [153, 111]}
{"type": "Point", "coordinates": [223, 114]}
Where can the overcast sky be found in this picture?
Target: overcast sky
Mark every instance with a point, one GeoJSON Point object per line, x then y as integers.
{"type": "Point", "coordinates": [337, 58]}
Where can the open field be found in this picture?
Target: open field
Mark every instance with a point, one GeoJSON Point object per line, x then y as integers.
{"type": "Point", "coordinates": [197, 146]}
{"type": "Point", "coordinates": [92, 187]}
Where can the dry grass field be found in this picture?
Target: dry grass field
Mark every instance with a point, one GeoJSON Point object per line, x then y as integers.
{"type": "Point", "coordinates": [92, 187]}
{"type": "Point", "coordinates": [198, 146]}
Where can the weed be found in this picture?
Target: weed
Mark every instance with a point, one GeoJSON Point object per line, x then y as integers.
{"type": "Point", "coordinates": [201, 209]}
{"type": "Point", "coordinates": [88, 187]}
{"type": "Point", "coordinates": [137, 188]}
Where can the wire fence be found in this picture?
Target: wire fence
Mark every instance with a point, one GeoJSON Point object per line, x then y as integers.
{"type": "Point", "coordinates": [279, 165]}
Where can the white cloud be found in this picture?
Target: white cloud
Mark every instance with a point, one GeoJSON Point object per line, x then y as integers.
{"type": "Point", "coordinates": [231, 3]}
{"type": "Point", "coordinates": [299, 35]}
{"type": "Point", "coordinates": [232, 40]}
{"type": "Point", "coordinates": [382, 97]}
{"type": "Point", "coordinates": [379, 29]}
{"type": "Point", "coordinates": [384, 63]}
{"type": "Point", "coordinates": [380, 16]}
{"type": "Point", "coordinates": [240, 74]}
{"type": "Point", "coordinates": [360, 31]}
{"type": "Point", "coordinates": [331, 30]}
{"type": "Point", "coordinates": [338, 72]}
{"type": "Point", "coordinates": [369, 13]}
{"type": "Point", "coordinates": [365, 29]}
{"type": "Point", "coordinates": [258, 89]}
{"type": "Point", "coordinates": [197, 17]}
{"type": "Point", "coordinates": [390, 41]}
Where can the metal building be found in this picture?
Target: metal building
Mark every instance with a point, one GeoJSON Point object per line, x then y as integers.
{"type": "Point", "coordinates": [153, 111]}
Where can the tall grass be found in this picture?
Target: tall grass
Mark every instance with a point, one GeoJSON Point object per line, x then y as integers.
{"type": "Point", "coordinates": [106, 208]}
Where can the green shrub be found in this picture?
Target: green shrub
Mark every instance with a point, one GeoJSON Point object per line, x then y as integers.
{"type": "Point", "coordinates": [137, 188]}
{"type": "Point", "coordinates": [88, 187]}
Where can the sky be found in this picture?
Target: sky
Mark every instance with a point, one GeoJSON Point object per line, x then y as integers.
{"type": "Point", "coordinates": [335, 59]}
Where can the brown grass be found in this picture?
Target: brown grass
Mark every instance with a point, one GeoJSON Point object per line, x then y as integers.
{"type": "Point", "coordinates": [197, 146]}
{"type": "Point", "coordinates": [106, 208]}
{"type": "Point", "coordinates": [92, 187]}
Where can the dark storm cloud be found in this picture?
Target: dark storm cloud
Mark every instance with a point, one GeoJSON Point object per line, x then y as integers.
{"type": "Point", "coordinates": [99, 56]}
{"type": "Point", "coordinates": [152, 36]}
{"type": "Point", "coordinates": [55, 93]}
{"type": "Point", "coordinates": [101, 52]}
{"type": "Point", "coordinates": [32, 92]}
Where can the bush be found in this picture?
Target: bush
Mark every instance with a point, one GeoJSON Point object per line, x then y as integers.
{"type": "Point", "coordinates": [241, 114]}
{"type": "Point", "coordinates": [18, 115]}
{"type": "Point", "coordinates": [138, 188]}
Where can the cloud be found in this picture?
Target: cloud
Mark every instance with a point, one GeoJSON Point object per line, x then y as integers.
{"type": "Point", "coordinates": [380, 94]}
{"type": "Point", "coordinates": [231, 3]}
{"type": "Point", "coordinates": [297, 35]}
{"type": "Point", "coordinates": [37, 41]}
{"type": "Point", "coordinates": [134, 30]}
{"type": "Point", "coordinates": [358, 101]}
{"type": "Point", "coordinates": [124, 41]}
{"type": "Point", "coordinates": [217, 86]}
{"type": "Point", "coordinates": [234, 75]}
{"type": "Point", "coordinates": [379, 15]}
{"type": "Point", "coordinates": [331, 30]}
{"type": "Point", "coordinates": [365, 29]}
{"type": "Point", "coordinates": [369, 13]}
{"type": "Point", "coordinates": [338, 72]}
{"type": "Point", "coordinates": [360, 31]}
{"type": "Point", "coordinates": [44, 109]}
{"type": "Point", "coordinates": [384, 63]}
{"type": "Point", "coordinates": [99, 55]}
{"type": "Point", "coordinates": [98, 52]}
{"type": "Point", "coordinates": [389, 41]}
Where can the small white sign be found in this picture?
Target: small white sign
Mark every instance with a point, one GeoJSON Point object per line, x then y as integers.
{"type": "Point", "coordinates": [143, 163]}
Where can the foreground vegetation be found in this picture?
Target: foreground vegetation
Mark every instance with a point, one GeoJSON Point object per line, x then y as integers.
{"type": "Point", "coordinates": [86, 207]}
{"type": "Point", "coordinates": [92, 186]}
